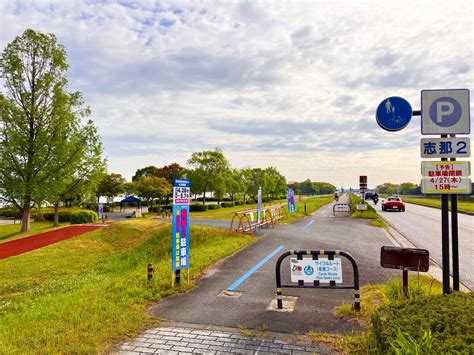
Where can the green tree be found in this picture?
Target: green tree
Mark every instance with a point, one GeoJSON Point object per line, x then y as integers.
{"type": "Point", "coordinates": [408, 188]}
{"type": "Point", "coordinates": [152, 187]}
{"type": "Point", "coordinates": [307, 187]}
{"type": "Point", "coordinates": [275, 182]}
{"type": "Point", "coordinates": [146, 171]}
{"type": "Point", "coordinates": [42, 136]}
{"type": "Point", "coordinates": [387, 188]}
{"type": "Point", "coordinates": [235, 183]}
{"type": "Point", "coordinates": [170, 172]}
{"type": "Point", "coordinates": [208, 167]}
{"type": "Point", "coordinates": [111, 185]}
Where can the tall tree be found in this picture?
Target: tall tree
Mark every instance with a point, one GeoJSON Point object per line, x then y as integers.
{"type": "Point", "coordinates": [152, 187]}
{"type": "Point", "coordinates": [170, 172]}
{"type": "Point", "coordinates": [42, 135]}
{"type": "Point", "coordinates": [110, 186]}
{"type": "Point", "coordinates": [146, 171]}
{"type": "Point", "coordinates": [208, 166]}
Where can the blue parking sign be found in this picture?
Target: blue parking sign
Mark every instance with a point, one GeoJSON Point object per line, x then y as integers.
{"type": "Point", "coordinates": [394, 113]}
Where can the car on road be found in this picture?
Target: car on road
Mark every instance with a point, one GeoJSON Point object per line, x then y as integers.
{"type": "Point", "coordinates": [394, 204]}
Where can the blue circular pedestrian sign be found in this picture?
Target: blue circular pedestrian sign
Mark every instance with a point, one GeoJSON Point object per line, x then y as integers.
{"type": "Point", "coordinates": [394, 113]}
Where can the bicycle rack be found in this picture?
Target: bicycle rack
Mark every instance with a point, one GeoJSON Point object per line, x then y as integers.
{"type": "Point", "coordinates": [341, 204]}
{"type": "Point", "coordinates": [316, 284]}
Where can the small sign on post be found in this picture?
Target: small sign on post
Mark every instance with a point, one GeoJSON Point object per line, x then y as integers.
{"type": "Point", "coordinates": [405, 259]}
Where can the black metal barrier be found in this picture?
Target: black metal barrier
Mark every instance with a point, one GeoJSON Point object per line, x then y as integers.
{"type": "Point", "coordinates": [316, 284]}
{"type": "Point", "coordinates": [341, 204]}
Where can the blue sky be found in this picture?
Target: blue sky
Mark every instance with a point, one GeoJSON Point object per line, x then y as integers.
{"type": "Point", "coordinates": [291, 84]}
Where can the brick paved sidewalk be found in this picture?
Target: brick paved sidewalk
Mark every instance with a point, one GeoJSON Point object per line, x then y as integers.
{"type": "Point", "coordinates": [178, 340]}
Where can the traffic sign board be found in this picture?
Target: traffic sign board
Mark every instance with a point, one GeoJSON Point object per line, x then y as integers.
{"type": "Point", "coordinates": [322, 270]}
{"type": "Point", "coordinates": [394, 113]}
{"type": "Point", "coordinates": [445, 147]}
{"type": "Point", "coordinates": [446, 177]}
{"type": "Point", "coordinates": [445, 112]}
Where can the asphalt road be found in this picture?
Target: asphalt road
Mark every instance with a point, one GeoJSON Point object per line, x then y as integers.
{"type": "Point", "coordinates": [207, 304]}
{"type": "Point", "coordinates": [422, 227]}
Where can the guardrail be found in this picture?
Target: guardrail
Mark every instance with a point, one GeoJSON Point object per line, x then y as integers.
{"type": "Point", "coordinates": [248, 224]}
{"type": "Point", "coordinates": [316, 284]}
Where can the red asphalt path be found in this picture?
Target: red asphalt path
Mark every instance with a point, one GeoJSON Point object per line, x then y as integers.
{"type": "Point", "coordinates": [23, 245]}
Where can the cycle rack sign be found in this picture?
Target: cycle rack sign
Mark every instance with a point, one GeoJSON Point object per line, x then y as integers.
{"type": "Point", "coordinates": [321, 267]}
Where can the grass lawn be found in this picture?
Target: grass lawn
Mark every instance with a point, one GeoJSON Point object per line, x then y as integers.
{"type": "Point", "coordinates": [463, 206]}
{"type": "Point", "coordinates": [12, 231]}
{"type": "Point", "coordinates": [86, 294]}
{"type": "Point", "coordinates": [312, 204]}
{"type": "Point", "coordinates": [369, 213]}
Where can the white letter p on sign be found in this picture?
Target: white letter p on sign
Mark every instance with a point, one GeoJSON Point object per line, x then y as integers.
{"type": "Point", "coordinates": [443, 108]}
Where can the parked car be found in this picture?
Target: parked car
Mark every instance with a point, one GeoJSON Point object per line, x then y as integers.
{"type": "Point", "coordinates": [393, 203]}
{"type": "Point", "coordinates": [368, 195]}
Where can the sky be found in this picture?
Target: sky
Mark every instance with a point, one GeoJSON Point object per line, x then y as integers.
{"type": "Point", "coordinates": [290, 84]}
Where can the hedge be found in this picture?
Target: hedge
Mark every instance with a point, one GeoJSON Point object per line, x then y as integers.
{"type": "Point", "coordinates": [449, 317]}
{"type": "Point", "coordinates": [239, 203]}
{"type": "Point", "coordinates": [213, 207]}
{"type": "Point", "coordinates": [197, 208]}
{"type": "Point", "coordinates": [84, 216]}
{"type": "Point", "coordinates": [64, 216]}
{"type": "Point", "coordinates": [227, 204]}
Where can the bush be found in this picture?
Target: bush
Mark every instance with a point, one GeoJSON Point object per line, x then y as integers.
{"type": "Point", "coordinates": [197, 208]}
{"type": "Point", "coordinates": [155, 209]}
{"type": "Point", "coordinates": [227, 204]}
{"type": "Point", "coordinates": [238, 203]}
{"type": "Point", "coordinates": [213, 207]}
{"type": "Point", "coordinates": [96, 208]}
{"type": "Point", "coordinates": [266, 199]}
{"type": "Point", "coordinates": [11, 212]}
{"type": "Point", "coordinates": [84, 216]}
{"type": "Point", "coordinates": [447, 317]}
{"type": "Point", "coordinates": [64, 216]}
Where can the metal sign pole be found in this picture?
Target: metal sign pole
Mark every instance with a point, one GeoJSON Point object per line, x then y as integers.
{"type": "Point", "coordinates": [454, 236]}
{"type": "Point", "coordinates": [445, 236]}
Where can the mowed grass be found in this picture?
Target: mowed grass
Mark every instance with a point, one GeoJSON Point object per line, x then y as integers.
{"type": "Point", "coordinates": [86, 294]}
{"type": "Point", "coordinates": [463, 206]}
{"type": "Point", "coordinates": [312, 204]}
{"type": "Point", "coordinates": [13, 231]}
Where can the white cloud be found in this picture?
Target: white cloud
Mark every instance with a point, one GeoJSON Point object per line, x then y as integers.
{"type": "Point", "coordinates": [290, 84]}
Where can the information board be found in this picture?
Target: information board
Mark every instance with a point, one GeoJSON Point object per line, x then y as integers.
{"type": "Point", "coordinates": [446, 177]}
{"type": "Point", "coordinates": [459, 147]}
{"type": "Point", "coordinates": [180, 224]}
{"type": "Point", "coordinates": [322, 270]}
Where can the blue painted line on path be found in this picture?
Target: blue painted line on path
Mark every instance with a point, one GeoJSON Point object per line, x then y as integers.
{"type": "Point", "coordinates": [255, 268]}
{"type": "Point", "coordinates": [308, 224]}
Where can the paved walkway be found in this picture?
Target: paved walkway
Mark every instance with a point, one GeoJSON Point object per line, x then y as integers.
{"type": "Point", "coordinates": [23, 245]}
{"type": "Point", "coordinates": [185, 339]}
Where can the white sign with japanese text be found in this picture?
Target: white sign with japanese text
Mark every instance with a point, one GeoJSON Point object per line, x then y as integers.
{"type": "Point", "coordinates": [445, 147]}
{"type": "Point", "coordinates": [446, 177]}
{"type": "Point", "coordinates": [322, 270]}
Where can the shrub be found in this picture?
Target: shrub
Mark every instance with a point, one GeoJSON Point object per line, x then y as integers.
{"type": "Point", "coordinates": [156, 209]}
{"type": "Point", "coordinates": [239, 203]}
{"type": "Point", "coordinates": [197, 208]}
{"type": "Point", "coordinates": [227, 204]}
{"type": "Point", "coordinates": [11, 212]}
{"type": "Point", "coordinates": [447, 317]}
{"type": "Point", "coordinates": [84, 216]}
{"type": "Point", "coordinates": [213, 207]}
{"type": "Point", "coordinates": [64, 216]}
{"type": "Point", "coordinates": [266, 199]}
{"type": "Point", "coordinates": [96, 208]}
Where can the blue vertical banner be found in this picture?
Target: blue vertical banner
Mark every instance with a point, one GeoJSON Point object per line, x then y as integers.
{"type": "Point", "coordinates": [259, 204]}
{"type": "Point", "coordinates": [291, 200]}
{"type": "Point", "coordinates": [101, 210]}
{"type": "Point", "coordinates": [180, 224]}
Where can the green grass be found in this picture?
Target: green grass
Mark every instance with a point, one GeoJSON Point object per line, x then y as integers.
{"type": "Point", "coordinates": [373, 297]}
{"type": "Point", "coordinates": [463, 206]}
{"type": "Point", "coordinates": [86, 294]}
{"type": "Point", "coordinates": [369, 213]}
{"type": "Point", "coordinates": [312, 204]}
{"type": "Point", "coordinates": [13, 231]}
{"type": "Point", "coordinates": [224, 213]}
